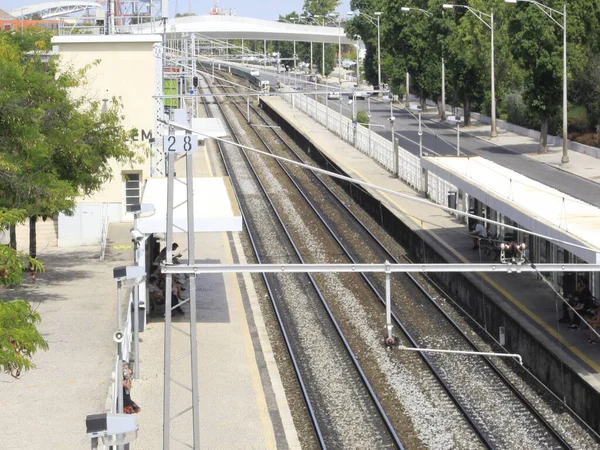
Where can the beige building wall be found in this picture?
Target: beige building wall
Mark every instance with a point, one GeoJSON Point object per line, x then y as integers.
{"type": "Point", "coordinates": [126, 70]}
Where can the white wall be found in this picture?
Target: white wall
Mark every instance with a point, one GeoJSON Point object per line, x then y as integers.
{"type": "Point", "coordinates": [126, 70]}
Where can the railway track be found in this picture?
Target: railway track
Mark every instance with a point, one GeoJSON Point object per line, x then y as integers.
{"type": "Point", "coordinates": [350, 414]}
{"type": "Point", "coordinates": [498, 414]}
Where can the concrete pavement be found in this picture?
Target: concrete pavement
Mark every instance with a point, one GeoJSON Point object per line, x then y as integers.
{"type": "Point", "coordinates": [76, 298]}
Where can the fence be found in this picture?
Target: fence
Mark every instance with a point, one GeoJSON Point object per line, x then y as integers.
{"type": "Point", "coordinates": [117, 386]}
{"type": "Point", "coordinates": [374, 146]}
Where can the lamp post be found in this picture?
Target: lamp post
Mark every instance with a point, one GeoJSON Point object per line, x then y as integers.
{"type": "Point", "coordinates": [418, 108]}
{"type": "Point", "coordinates": [357, 37]}
{"type": "Point", "coordinates": [480, 15]}
{"type": "Point", "coordinates": [548, 11]}
{"type": "Point", "coordinates": [339, 21]}
{"type": "Point", "coordinates": [428, 14]}
{"type": "Point", "coordinates": [374, 19]}
{"type": "Point", "coordinates": [317, 16]}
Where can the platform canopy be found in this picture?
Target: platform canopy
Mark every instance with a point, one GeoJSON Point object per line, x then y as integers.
{"type": "Point", "coordinates": [49, 10]}
{"type": "Point", "coordinates": [215, 206]}
{"type": "Point", "coordinates": [235, 27]}
{"type": "Point", "coordinates": [533, 205]}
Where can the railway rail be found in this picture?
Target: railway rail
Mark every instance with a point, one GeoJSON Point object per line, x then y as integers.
{"type": "Point", "coordinates": [497, 413]}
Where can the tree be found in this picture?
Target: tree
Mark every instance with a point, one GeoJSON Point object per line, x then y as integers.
{"type": "Point", "coordinates": [59, 145]}
{"type": "Point", "coordinates": [320, 7]}
{"type": "Point", "coordinates": [19, 337]}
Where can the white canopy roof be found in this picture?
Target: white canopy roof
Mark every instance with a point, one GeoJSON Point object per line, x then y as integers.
{"type": "Point", "coordinates": [531, 204]}
{"type": "Point", "coordinates": [215, 207]}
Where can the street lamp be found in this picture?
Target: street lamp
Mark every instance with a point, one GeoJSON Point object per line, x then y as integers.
{"type": "Point", "coordinates": [357, 37]}
{"type": "Point", "coordinates": [375, 21]}
{"type": "Point", "coordinates": [548, 11]}
{"type": "Point", "coordinates": [480, 15]}
{"type": "Point", "coordinates": [418, 108]}
{"type": "Point", "coordinates": [339, 21]}
{"type": "Point", "coordinates": [456, 120]}
{"type": "Point", "coordinates": [323, 56]}
{"type": "Point", "coordinates": [428, 14]}
{"type": "Point", "coordinates": [294, 19]}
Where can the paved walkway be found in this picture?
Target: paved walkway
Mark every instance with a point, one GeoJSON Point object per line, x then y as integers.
{"type": "Point", "coordinates": [76, 298]}
{"type": "Point", "coordinates": [242, 401]}
{"type": "Point", "coordinates": [529, 300]}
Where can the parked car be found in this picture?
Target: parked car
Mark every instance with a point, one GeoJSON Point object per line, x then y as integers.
{"type": "Point", "coordinates": [255, 73]}
{"type": "Point", "coordinates": [334, 96]}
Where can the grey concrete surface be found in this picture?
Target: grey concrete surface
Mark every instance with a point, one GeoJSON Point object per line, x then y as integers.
{"type": "Point", "coordinates": [76, 297]}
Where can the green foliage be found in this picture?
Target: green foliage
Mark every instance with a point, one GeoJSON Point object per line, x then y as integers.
{"type": "Point", "coordinates": [320, 7]}
{"type": "Point", "coordinates": [578, 119]}
{"type": "Point", "coordinates": [32, 39]}
{"type": "Point", "coordinates": [54, 147]}
{"type": "Point", "coordinates": [586, 89]}
{"type": "Point", "coordinates": [363, 118]}
{"type": "Point", "coordinates": [514, 110]}
{"type": "Point", "coordinates": [19, 337]}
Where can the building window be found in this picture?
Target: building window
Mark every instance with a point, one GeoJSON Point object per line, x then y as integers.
{"type": "Point", "coordinates": [132, 188]}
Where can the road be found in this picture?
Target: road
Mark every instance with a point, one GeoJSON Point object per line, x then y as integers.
{"type": "Point", "coordinates": [439, 139]}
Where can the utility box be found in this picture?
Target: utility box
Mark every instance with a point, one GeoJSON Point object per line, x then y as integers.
{"type": "Point", "coordinates": [452, 199]}
{"type": "Point", "coordinates": [471, 221]}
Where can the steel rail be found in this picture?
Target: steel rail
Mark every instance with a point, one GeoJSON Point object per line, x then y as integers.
{"type": "Point", "coordinates": [288, 343]}
{"type": "Point", "coordinates": [530, 407]}
{"type": "Point", "coordinates": [343, 339]}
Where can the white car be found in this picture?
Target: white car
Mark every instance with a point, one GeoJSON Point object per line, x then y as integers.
{"type": "Point", "coordinates": [334, 96]}
{"type": "Point", "coordinates": [255, 73]}
{"type": "Point", "coordinates": [361, 95]}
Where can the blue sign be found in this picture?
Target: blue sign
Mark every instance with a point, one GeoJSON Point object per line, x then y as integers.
{"type": "Point", "coordinates": [191, 92]}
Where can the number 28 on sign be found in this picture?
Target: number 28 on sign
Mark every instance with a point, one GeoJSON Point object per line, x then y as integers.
{"type": "Point", "coordinates": [180, 143]}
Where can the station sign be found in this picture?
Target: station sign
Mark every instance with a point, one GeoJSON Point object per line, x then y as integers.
{"type": "Point", "coordinates": [181, 143]}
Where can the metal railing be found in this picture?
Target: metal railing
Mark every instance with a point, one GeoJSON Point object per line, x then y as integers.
{"type": "Point", "coordinates": [104, 238]}
{"type": "Point", "coordinates": [373, 145]}
{"type": "Point", "coordinates": [117, 375]}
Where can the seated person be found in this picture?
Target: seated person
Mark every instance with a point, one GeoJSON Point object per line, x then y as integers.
{"type": "Point", "coordinates": [581, 301]}
{"type": "Point", "coordinates": [594, 323]}
{"type": "Point", "coordinates": [162, 256]}
{"type": "Point", "coordinates": [478, 233]}
{"type": "Point", "coordinates": [129, 406]}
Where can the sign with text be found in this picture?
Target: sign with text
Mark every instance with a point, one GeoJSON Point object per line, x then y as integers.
{"type": "Point", "coordinates": [182, 143]}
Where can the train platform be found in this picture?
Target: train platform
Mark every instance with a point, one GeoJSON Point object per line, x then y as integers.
{"type": "Point", "coordinates": [241, 396]}
{"type": "Point", "coordinates": [526, 298]}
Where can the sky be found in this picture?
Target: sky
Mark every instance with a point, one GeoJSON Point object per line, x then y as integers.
{"type": "Point", "coordinates": [268, 9]}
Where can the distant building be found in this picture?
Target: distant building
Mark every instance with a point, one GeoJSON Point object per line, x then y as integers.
{"type": "Point", "coordinates": [9, 23]}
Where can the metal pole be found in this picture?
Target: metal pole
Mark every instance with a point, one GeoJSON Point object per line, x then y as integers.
{"type": "Point", "coordinates": [311, 57]}
{"type": "Point", "coordinates": [565, 155]}
{"type": "Point", "coordinates": [407, 104]}
{"type": "Point", "coordinates": [265, 52]}
{"type": "Point", "coordinates": [119, 379]}
{"type": "Point", "coordinates": [357, 68]}
{"type": "Point", "coordinates": [323, 62]}
{"type": "Point", "coordinates": [494, 132]}
{"type": "Point", "coordinates": [420, 137]}
{"type": "Point", "coordinates": [396, 154]}
{"type": "Point", "coordinates": [248, 108]}
{"type": "Point", "coordinates": [295, 55]}
{"type": "Point", "coordinates": [388, 305]}
{"type": "Point", "coordinates": [457, 138]}
{"type": "Point", "coordinates": [340, 50]}
{"type": "Point", "coordinates": [119, 318]}
{"type": "Point", "coordinates": [378, 56]}
{"type": "Point", "coordinates": [443, 115]}
{"type": "Point", "coordinates": [192, 294]}
{"type": "Point", "coordinates": [136, 331]}
{"type": "Point", "coordinates": [168, 290]}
